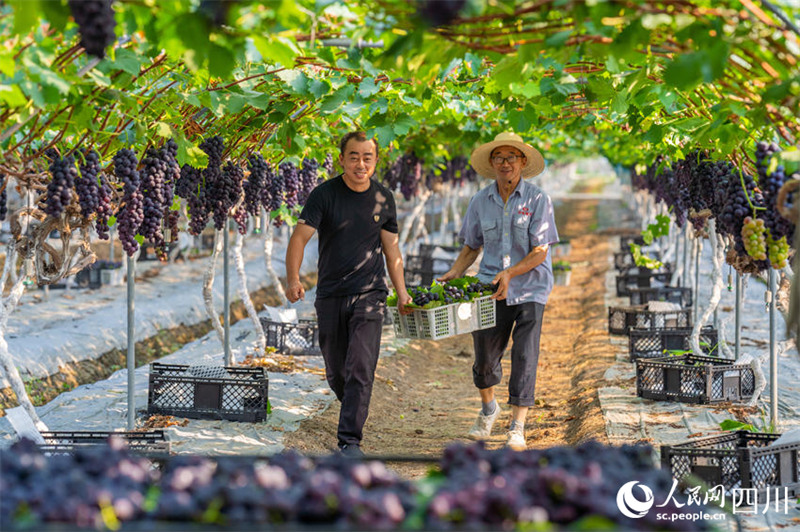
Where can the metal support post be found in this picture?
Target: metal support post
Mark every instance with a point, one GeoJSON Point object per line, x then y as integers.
{"type": "Point", "coordinates": [131, 344]}
{"type": "Point", "coordinates": [226, 297]}
{"type": "Point", "coordinates": [773, 353]}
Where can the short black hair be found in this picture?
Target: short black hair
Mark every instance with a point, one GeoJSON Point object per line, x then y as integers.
{"type": "Point", "coordinates": [360, 136]}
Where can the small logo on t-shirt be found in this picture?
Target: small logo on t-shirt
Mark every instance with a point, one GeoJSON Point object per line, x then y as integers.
{"type": "Point", "coordinates": [524, 211]}
{"type": "Point", "coordinates": [376, 218]}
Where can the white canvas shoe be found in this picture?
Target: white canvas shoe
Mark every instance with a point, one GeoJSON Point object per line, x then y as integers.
{"type": "Point", "coordinates": [482, 428]}
{"type": "Point", "coordinates": [516, 440]}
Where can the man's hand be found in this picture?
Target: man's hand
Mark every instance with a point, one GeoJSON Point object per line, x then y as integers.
{"type": "Point", "coordinates": [403, 300]}
{"type": "Point", "coordinates": [449, 276]}
{"type": "Point", "coordinates": [501, 280]}
{"type": "Point", "coordinates": [295, 291]}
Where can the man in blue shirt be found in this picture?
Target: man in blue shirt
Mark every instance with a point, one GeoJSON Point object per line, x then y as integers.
{"type": "Point", "coordinates": [512, 220]}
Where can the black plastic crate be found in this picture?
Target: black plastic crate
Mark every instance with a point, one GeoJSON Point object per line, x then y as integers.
{"type": "Point", "coordinates": [694, 379]}
{"type": "Point", "coordinates": [88, 277]}
{"type": "Point", "coordinates": [622, 319]}
{"type": "Point", "coordinates": [656, 343]}
{"type": "Point", "coordinates": [301, 338]}
{"type": "Point", "coordinates": [426, 250]}
{"type": "Point", "coordinates": [671, 294]}
{"type": "Point", "coordinates": [152, 442]}
{"type": "Point", "coordinates": [623, 260]}
{"type": "Point", "coordinates": [421, 270]}
{"type": "Point", "coordinates": [208, 392]}
{"type": "Point", "coordinates": [738, 460]}
{"type": "Point", "coordinates": [625, 242]}
{"type": "Point", "coordinates": [643, 278]}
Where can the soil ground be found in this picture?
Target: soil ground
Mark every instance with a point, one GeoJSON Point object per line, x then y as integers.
{"type": "Point", "coordinates": [424, 399]}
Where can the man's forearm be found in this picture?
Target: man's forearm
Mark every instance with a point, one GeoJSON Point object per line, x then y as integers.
{"type": "Point", "coordinates": [294, 258]}
{"type": "Point", "coordinates": [529, 262]}
{"type": "Point", "coordinates": [464, 260]}
{"type": "Point", "coordinates": [395, 268]}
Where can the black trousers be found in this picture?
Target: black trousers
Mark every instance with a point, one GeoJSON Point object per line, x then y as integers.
{"type": "Point", "coordinates": [526, 321]}
{"type": "Point", "coordinates": [350, 339]}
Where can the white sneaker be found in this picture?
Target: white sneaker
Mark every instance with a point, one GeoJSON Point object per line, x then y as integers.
{"type": "Point", "coordinates": [482, 428]}
{"type": "Point", "coordinates": [516, 440]}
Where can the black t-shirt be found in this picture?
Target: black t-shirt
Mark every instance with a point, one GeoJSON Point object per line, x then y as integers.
{"type": "Point", "coordinates": [349, 224]}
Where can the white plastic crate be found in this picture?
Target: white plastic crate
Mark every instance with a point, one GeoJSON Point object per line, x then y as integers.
{"type": "Point", "coordinates": [404, 325]}
{"type": "Point", "coordinates": [447, 320]}
{"type": "Point", "coordinates": [486, 310]}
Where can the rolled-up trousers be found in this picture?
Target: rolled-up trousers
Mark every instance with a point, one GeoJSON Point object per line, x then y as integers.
{"type": "Point", "coordinates": [350, 337]}
{"type": "Point", "coordinates": [525, 320]}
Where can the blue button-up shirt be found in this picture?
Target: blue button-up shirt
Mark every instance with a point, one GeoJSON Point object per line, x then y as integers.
{"type": "Point", "coordinates": [508, 233]}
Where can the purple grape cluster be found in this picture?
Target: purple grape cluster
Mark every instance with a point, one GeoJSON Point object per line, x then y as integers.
{"type": "Point", "coordinates": [701, 190]}
{"type": "Point", "coordinates": [497, 490]}
{"type": "Point", "coordinates": [240, 216]}
{"type": "Point", "coordinates": [439, 13]}
{"type": "Point", "coordinates": [292, 186]}
{"type": "Point", "coordinates": [95, 19]}
{"type": "Point", "coordinates": [196, 186]}
{"type": "Point", "coordinates": [480, 288]}
{"type": "Point", "coordinates": [457, 171]}
{"type": "Point", "coordinates": [406, 173]}
{"type": "Point", "coordinates": [327, 167]}
{"type": "Point", "coordinates": [168, 154]}
{"type": "Point", "coordinates": [59, 190]}
{"type": "Point", "coordinates": [188, 181]}
{"type": "Point", "coordinates": [770, 184]}
{"type": "Point", "coordinates": [191, 186]}
{"type": "Point", "coordinates": [104, 207]}
{"type": "Point", "coordinates": [272, 193]}
{"type": "Point", "coordinates": [287, 489]}
{"type": "Point", "coordinates": [87, 186]}
{"type": "Point", "coordinates": [131, 214]}
{"type": "Point", "coordinates": [216, 10]}
{"type": "Point", "coordinates": [4, 183]}
{"type": "Point", "coordinates": [718, 188]}
{"type": "Point", "coordinates": [255, 184]}
{"type": "Point", "coordinates": [154, 175]}
{"type": "Point", "coordinates": [453, 294]}
{"type": "Point", "coordinates": [71, 488]}
{"type": "Point", "coordinates": [224, 193]}
{"type": "Point", "coordinates": [309, 178]}
{"type": "Point", "coordinates": [421, 296]}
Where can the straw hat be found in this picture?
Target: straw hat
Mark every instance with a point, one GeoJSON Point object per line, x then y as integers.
{"type": "Point", "coordinates": [480, 157]}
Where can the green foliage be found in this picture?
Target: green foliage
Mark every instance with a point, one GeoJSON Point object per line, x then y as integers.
{"type": "Point", "coordinates": [562, 265]}
{"type": "Point", "coordinates": [614, 84]}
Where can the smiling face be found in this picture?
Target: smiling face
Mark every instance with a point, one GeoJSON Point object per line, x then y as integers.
{"type": "Point", "coordinates": [358, 161]}
{"type": "Point", "coordinates": [508, 163]}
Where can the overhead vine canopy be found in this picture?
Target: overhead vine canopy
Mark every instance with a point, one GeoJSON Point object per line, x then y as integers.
{"type": "Point", "coordinates": [629, 80]}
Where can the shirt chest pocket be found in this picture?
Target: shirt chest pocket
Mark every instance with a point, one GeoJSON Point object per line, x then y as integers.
{"type": "Point", "coordinates": [491, 232]}
{"type": "Point", "coordinates": [520, 236]}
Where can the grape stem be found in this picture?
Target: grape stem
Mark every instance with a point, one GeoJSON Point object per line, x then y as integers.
{"type": "Point", "coordinates": [746, 195]}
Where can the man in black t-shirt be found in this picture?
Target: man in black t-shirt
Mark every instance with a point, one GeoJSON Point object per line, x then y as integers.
{"type": "Point", "coordinates": [356, 220]}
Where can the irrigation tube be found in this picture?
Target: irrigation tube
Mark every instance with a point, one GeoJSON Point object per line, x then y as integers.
{"type": "Point", "coordinates": [773, 354]}
{"type": "Point", "coordinates": [226, 313]}
{"type": "Point", "coordinates": [131, 343]}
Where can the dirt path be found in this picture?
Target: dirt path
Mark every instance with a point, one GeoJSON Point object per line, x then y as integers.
{"type": "Point", "coordinates": [424, 399]}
